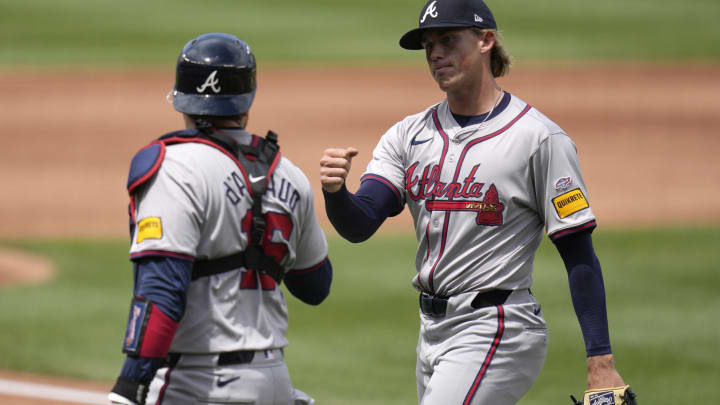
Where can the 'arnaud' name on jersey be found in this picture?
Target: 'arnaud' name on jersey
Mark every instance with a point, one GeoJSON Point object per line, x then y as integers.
{"type": "Point", "coordinates": [235, 190]}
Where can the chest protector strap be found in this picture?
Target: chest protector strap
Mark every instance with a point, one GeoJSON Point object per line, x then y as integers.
{"type": "Point", "coordinates": [259, 162]}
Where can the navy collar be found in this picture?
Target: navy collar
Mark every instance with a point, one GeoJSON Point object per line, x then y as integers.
{"type": "Point", "coordinates": [467, 120]}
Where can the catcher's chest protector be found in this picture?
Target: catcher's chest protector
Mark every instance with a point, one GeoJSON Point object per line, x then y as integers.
{"type": "Point", "coordinates": [257, 162]}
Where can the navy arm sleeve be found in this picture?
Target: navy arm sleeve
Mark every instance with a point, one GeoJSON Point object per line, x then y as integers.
{"type": "Point", "coordinates": [357, 216]}
{"type": "Point", "coordinates": [586, 290]}
{"type": "Point", "coordinates": [164, 281]}
{"type": "Point", "coordinates": [312, 285]}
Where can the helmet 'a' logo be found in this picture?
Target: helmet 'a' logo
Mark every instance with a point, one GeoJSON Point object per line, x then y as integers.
{"type": "Point", "coordinates": [211, 82]}
{"type": "Point", "coordinates": [430, 11]}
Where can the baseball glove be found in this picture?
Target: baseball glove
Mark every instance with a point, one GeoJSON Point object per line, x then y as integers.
{"type": "Point", "coordinates": [608, 396]}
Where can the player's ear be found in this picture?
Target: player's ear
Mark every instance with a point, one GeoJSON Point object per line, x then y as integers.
{"type": "Point", "coordinates": [487, 40]}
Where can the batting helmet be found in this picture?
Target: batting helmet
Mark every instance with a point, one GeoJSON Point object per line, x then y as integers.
{"type": "Point", "coordinates": [215, 76]}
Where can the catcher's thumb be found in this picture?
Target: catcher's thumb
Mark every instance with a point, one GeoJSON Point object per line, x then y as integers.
{"type": "Point", "coordinates": [352, 152]}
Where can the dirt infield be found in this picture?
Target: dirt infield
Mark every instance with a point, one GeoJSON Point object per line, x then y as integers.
{"type": "Point", "coordinates": [647, 136]}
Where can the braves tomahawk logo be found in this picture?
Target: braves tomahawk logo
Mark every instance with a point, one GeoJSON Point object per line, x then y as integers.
{"type": "Point", "coordinates": [467, 195]}
{"type": "Point", "coordinates": [211, 82]}
{"type": "Point", "coordinates": [431, 11]}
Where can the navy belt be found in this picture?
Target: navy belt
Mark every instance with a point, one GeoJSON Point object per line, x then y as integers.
{"type": "Point", "coordinates": [436, 306]}
{"type": "Point", "coordinates": [224, 358]}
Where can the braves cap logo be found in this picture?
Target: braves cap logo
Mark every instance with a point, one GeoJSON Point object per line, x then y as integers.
{"type": "Point", "coordinates": [431, 11]}
{"type": "Point", "coordinates": [211, 82]}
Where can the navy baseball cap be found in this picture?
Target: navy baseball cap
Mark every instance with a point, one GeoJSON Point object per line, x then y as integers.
{"type": "Point", "coordinates": [449, 14]}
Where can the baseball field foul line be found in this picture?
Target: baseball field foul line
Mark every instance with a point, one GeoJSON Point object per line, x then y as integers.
{"type": "Point", "coordinates": [34, 390]}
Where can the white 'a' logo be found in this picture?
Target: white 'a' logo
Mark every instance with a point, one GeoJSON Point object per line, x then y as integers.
{"type": "Point", "coordinates": [211, 81]}
{"type": "Point", "coordinates": [429, 11]}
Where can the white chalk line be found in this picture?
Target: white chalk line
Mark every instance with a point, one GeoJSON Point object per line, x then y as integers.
{"type": "Point", "coordinates": [44, 391]}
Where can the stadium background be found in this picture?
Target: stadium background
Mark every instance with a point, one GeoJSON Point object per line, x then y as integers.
{"type": "Point", "coordinates": [635, 84]}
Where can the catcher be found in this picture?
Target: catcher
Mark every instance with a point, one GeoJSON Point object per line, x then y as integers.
{"type": "Point", "coordinates": [218, 220]}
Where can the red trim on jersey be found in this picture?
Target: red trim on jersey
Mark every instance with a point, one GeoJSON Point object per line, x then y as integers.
{"type": "Point", "coordinates": [587, 225]}
{"type": "Point", "coordinates": [272, 167]}
{"type": "Point", "coordinates": [132, 211]}
{"type": "Point", "coordinates": [161, 394]}
{"type": "Point", "coordinates": [153, 169]}
{"type": "Point", "coordinates": [445, 139]}
{"type": "Point", "coordinates": [488, 358]}
{"type": "Point", "coordinates": [485, 138]}
{"type": "Point", "coordinates": [457, 172]}
{"type": "Point", "coordinates": [145, 177]}
{"type": "Point", "coordinates": [384, 181]}
{"type": "Point", "coordinates": [144, 253]}
{"type": "Point", "coordinates": [178, 139]}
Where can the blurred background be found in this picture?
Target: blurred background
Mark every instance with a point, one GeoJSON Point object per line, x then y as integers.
{"type": "Point", "coordinates": [635, 84]}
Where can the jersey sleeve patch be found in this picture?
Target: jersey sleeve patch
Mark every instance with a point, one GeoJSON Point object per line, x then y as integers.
{"type": "Point", "coordinates": [144, 165]}
{"type": "Point", "coordinates": [149, 228]}
{"type": "Point", "coordinates": [570, 203]}
{"type": "Point", "coordinates": [563, 182]}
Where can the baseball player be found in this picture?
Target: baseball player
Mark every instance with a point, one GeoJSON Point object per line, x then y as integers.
{"type": "Point", "coordinates": [482, 173]}
{"type": "Point", "coordinates": [218, 220]}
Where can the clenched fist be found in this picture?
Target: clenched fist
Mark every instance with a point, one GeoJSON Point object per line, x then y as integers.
{"type": "Point", "coordinates": [334, 167]}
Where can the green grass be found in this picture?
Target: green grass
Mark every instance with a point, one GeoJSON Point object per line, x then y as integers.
{"type": "Point", "coordinates": [106, 33]}
{"type": "Point", "coordinates": [358, 347]}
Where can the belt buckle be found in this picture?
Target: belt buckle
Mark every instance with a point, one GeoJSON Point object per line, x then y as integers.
{"type": "Point", "coordinates": [432, 305]}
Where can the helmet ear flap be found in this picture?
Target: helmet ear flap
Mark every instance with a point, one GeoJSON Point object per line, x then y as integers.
{"type": "Point", "coordinates": [215, 75]}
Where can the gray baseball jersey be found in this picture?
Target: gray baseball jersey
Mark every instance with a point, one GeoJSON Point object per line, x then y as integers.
{"type": "Point", "coordinates": [481, 195]}
{"type": "Point", "coordinates": [197, 206]}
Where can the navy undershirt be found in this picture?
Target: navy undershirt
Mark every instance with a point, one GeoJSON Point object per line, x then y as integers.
{"type": "Point", "coordinates": [466, 120]}
{"type": "Point", "coordinates": [356, 217]}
